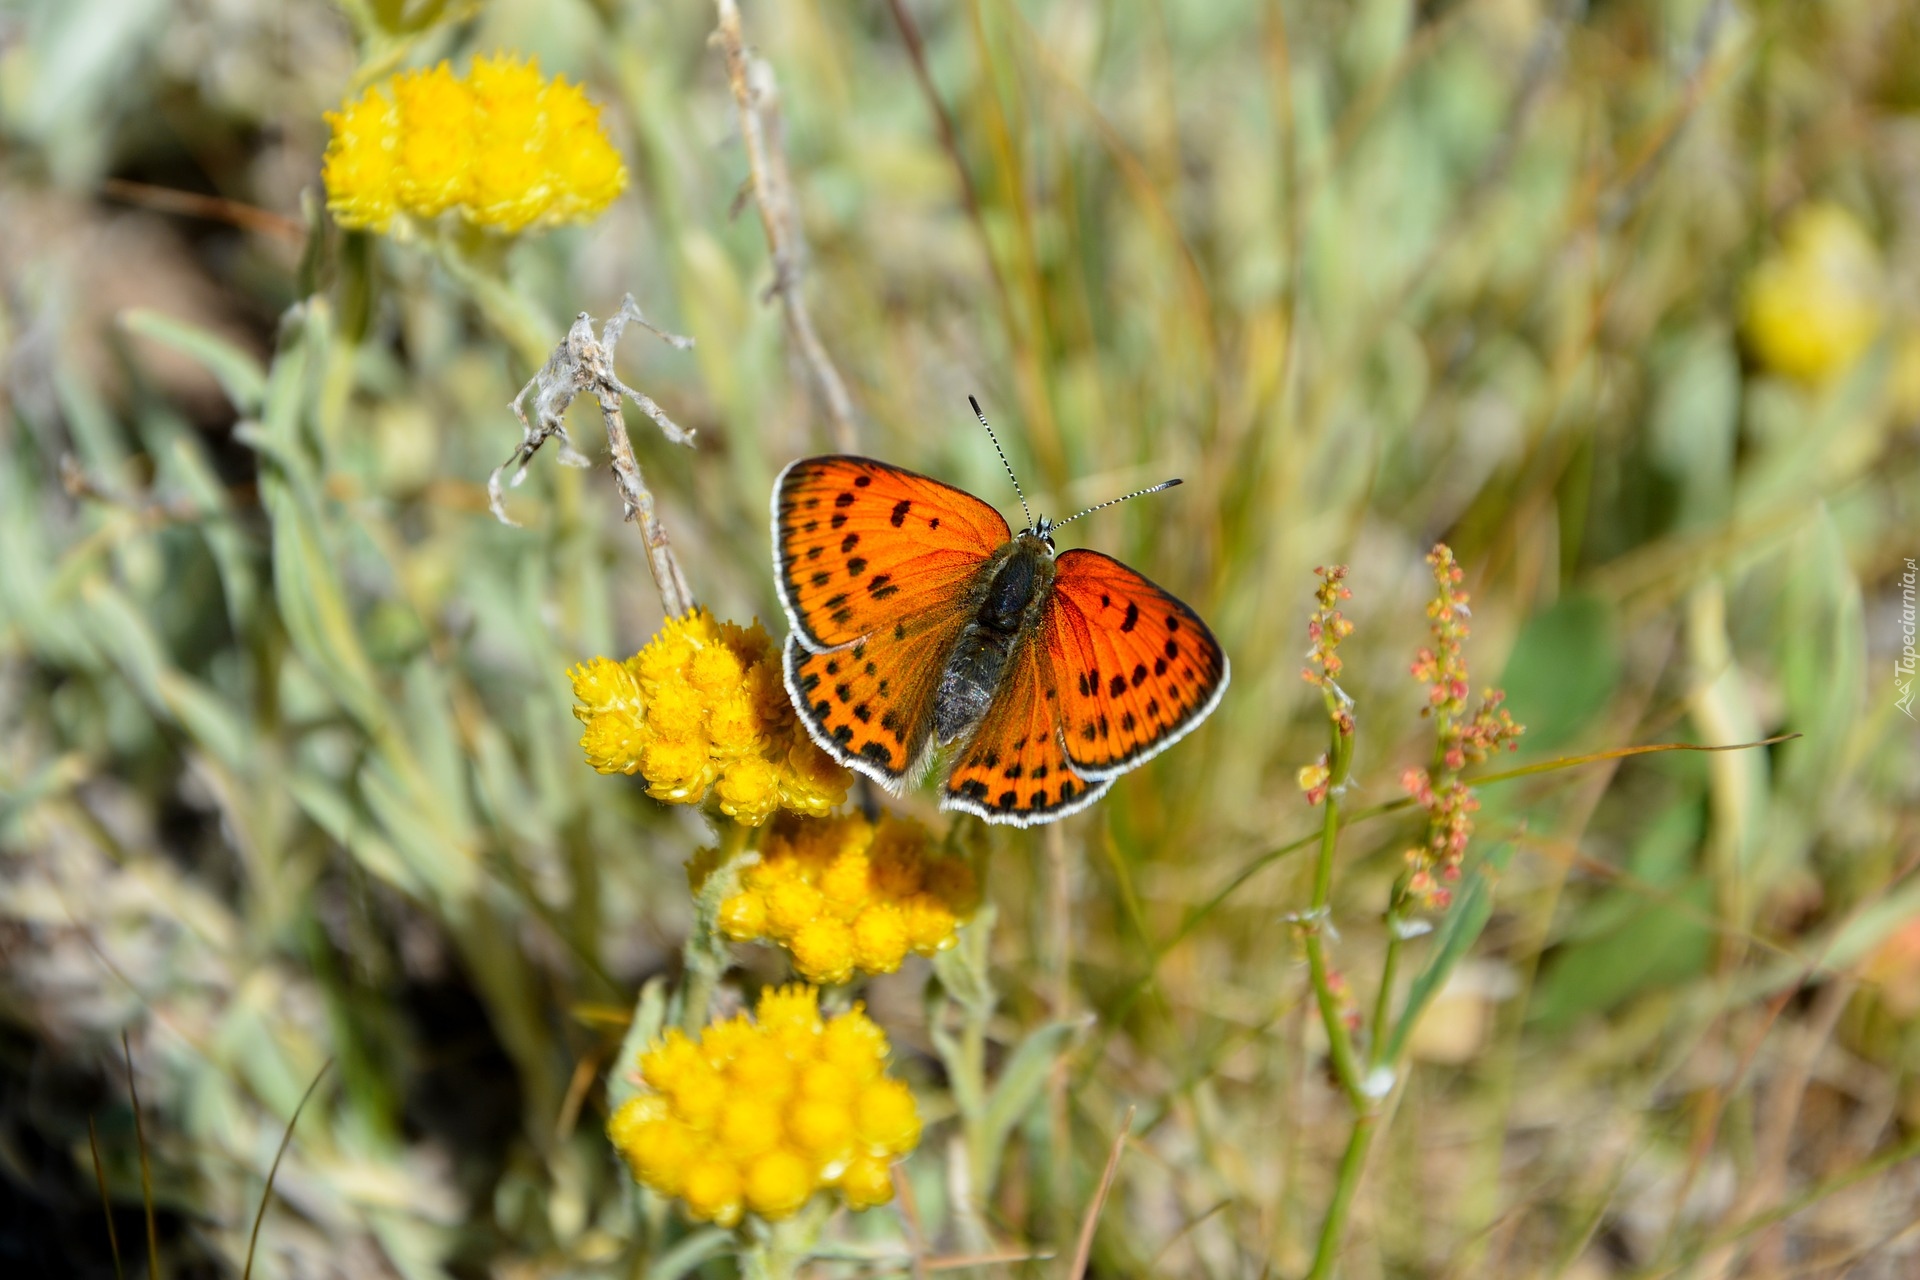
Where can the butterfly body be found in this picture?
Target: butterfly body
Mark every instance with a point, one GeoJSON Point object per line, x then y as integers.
{"type": "Point", "coordinates": [1014, 588]}
{"type": "Point", "coordinates": [920, 620]}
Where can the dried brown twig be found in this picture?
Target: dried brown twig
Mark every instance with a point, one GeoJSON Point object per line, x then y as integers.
{"type": "Point", "coordinates": [584, 364]}
{"type": "Point", "coordinates": [753, 91]}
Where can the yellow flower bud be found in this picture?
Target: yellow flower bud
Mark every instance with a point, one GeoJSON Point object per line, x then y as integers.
{"type": "Point", "coordinates": [792, 906]}
{"type": "Point", "coordinates": [847, 882]}
{"type": "Point", "coordinates": [867, 1182]}
{"type": "Point", "coordinates": [828, 1081]}
{"type": "Point", "coordinates": [510, 184]}
{"type": "Point", "coordinates": [880, 939]}
{"type": "Point", "coordinates": [762, 1068]}
{"type": "Point", "coordinates": [930, 923]}
{"type": "Point", "coordinates": [749, 1126]}
{"type": "Point", "coordinates": [661, 1152]}
{"type": "Point", "coordinates": [669, 1060]}
{"type": "Point", "coordinates": [625, 1124]}
{"type": "Point", "coordinates": [712, 1191]}
{"type": "Point", "coordinates": [854, 1044]}
{"type": "Point", "coordinates": [586, 170]}
{"type": "Point", "coordinates": [821, 1127]}
{"type": "Point", "coordinates": [1815, 305]}
{"type": "Point", "coordinates": [743, 917]}
{"type": "Point", "coordinates": [698, 1095]}
{"type": "Point", "coordinates": [823, 950]}
{"type": "Point", "coordinates": [436, 140]}
{"type": "Point", "coordinates": [749, 790]}
{"type": "Point", "coordinates": [362, 167]}
{"type": "Point", "coordinates": [886, 1118]}
{"type": "Point", "coordinates": [778, 1183]}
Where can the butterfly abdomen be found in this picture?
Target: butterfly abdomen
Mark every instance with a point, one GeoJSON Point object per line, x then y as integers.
{"type": "Point", "coordinates": [1016, 587]}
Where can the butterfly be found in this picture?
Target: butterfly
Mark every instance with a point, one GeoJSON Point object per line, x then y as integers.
{"type": "Point", "coordinates": [920, 620]}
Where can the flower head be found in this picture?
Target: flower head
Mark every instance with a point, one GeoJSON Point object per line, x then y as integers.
{"type": "Point", "coordinates": [1327, 628]}
{"type": "Point", "coordinates": [701, 709]}
{"type": "Point", "coordinates": [1463, 739]}
{"type": "Point", "coordinates": [1814, 305]}
{"type": "Point", "coordinates": [503, 147]}
{"type": "Point", "coordinates": [846, 895]}
{"type": "Point", "coordinates": [1442, 667]}
{"type": "Point", "coordinates": [759, 1114]}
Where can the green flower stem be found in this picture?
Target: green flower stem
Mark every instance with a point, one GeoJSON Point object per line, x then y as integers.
{"type": "Point", "coordinates": [1339, 763]}
{"type": "Point", "coordinates": [966, 984]}
{"type": "Point", "coordinates": [1351, 1164]}
{"type": "Point", "coordinates": [517, 317]}
{"type": "Point", "coordinates": [1339, 1043]}
{"type": "Point", "coordinates": [776, 1251]}
{"type": "Point", "coordinates": [1379, 1029]}
{"type": "Point", "coordinates": [706, 956]}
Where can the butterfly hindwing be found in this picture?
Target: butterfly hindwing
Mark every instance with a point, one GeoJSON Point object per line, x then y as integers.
{"type": "Point", "coordinates": [1013, 767]}
{"type": "Point", "coordinates": [863, 550]}
{"type": "Point", "coordinates": [870, 704]}
{"type": "Point", "coordinates": [1137, 669]}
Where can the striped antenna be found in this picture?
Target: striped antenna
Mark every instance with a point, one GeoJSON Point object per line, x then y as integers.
{"type": "Point", "coordinates": [1137, 493]}
{"type": "Point", "coordinates": [1003, 460]}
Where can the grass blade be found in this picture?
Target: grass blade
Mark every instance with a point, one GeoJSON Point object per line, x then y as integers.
{"type": "Point", "coordinates": [106, 1204]}
{"type": "Point", "coordinates": [266, 1192]}
{"type": "Point", "coordinates": [146, 1171]}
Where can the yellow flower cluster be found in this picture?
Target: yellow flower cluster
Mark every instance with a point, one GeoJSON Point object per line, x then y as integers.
{"type": "Point", "coordinates": [756, 1116]}
{"type": "Point", "coordinates": [703, 706]}
{"type": "Point", "coordinates": [503, 146]}
{"type": "Point", "coordinates": [845, 894]}
{"type": "Point", "coordinates": [1814, 305]}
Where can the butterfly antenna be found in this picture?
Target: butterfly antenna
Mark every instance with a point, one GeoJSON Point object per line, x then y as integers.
{"type": "Point", "coordinates": [1003, 460]}
{"type": "Point", "coordinates": [1137, 493]}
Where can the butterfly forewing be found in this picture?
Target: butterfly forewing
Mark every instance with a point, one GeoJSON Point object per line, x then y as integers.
{"type": "Point", "coordinates": [875, 566]}
{"type": "Point", "coordinates": [865, 550]}
{"type": "Point", "coordinates": [1014, 769]}
{"type": "Point", "coordinates": [1136, 668]}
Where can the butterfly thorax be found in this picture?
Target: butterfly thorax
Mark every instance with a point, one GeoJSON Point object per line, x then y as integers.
{"type": "Point", "coordinates": [1010, 591]}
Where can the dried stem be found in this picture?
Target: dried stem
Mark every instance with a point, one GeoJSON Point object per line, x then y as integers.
{"type": "Point", "coordinates": [753, 91]}
{"type": "Point", "coordinates": [584, 364]}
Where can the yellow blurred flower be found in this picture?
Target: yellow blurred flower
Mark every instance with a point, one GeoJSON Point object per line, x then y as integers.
{"type": "Point", "coordinates": [845, 895]}
{"type": "Point", "coordinates": [759, 1114]}
{"type": "Point", "coordinates": [702, 708]}
{"type": "Point", "coordinates": [502, 146]}
{"type": "Point", "coordinates": [1814, 305]}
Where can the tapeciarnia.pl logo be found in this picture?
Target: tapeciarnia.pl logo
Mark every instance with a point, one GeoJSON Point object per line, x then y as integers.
{"type": "Point", "coordinates": [1903, 665]}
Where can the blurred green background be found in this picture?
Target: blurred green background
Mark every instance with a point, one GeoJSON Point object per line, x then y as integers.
{"type": "Point", "coordinates": [1618, 298]}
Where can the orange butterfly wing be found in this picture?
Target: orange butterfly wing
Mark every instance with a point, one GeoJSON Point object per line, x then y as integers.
{"type": "Point", "coordinates": [874, 566]}
{"type": "Point", "coordinates": [1014, 768]}
{"type": "Point", "coordinates": [1137, 669]}
{"type": "Point", "coordinates": [870, 705]}
{"type": "Point", "coordinates": [861, 548]}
